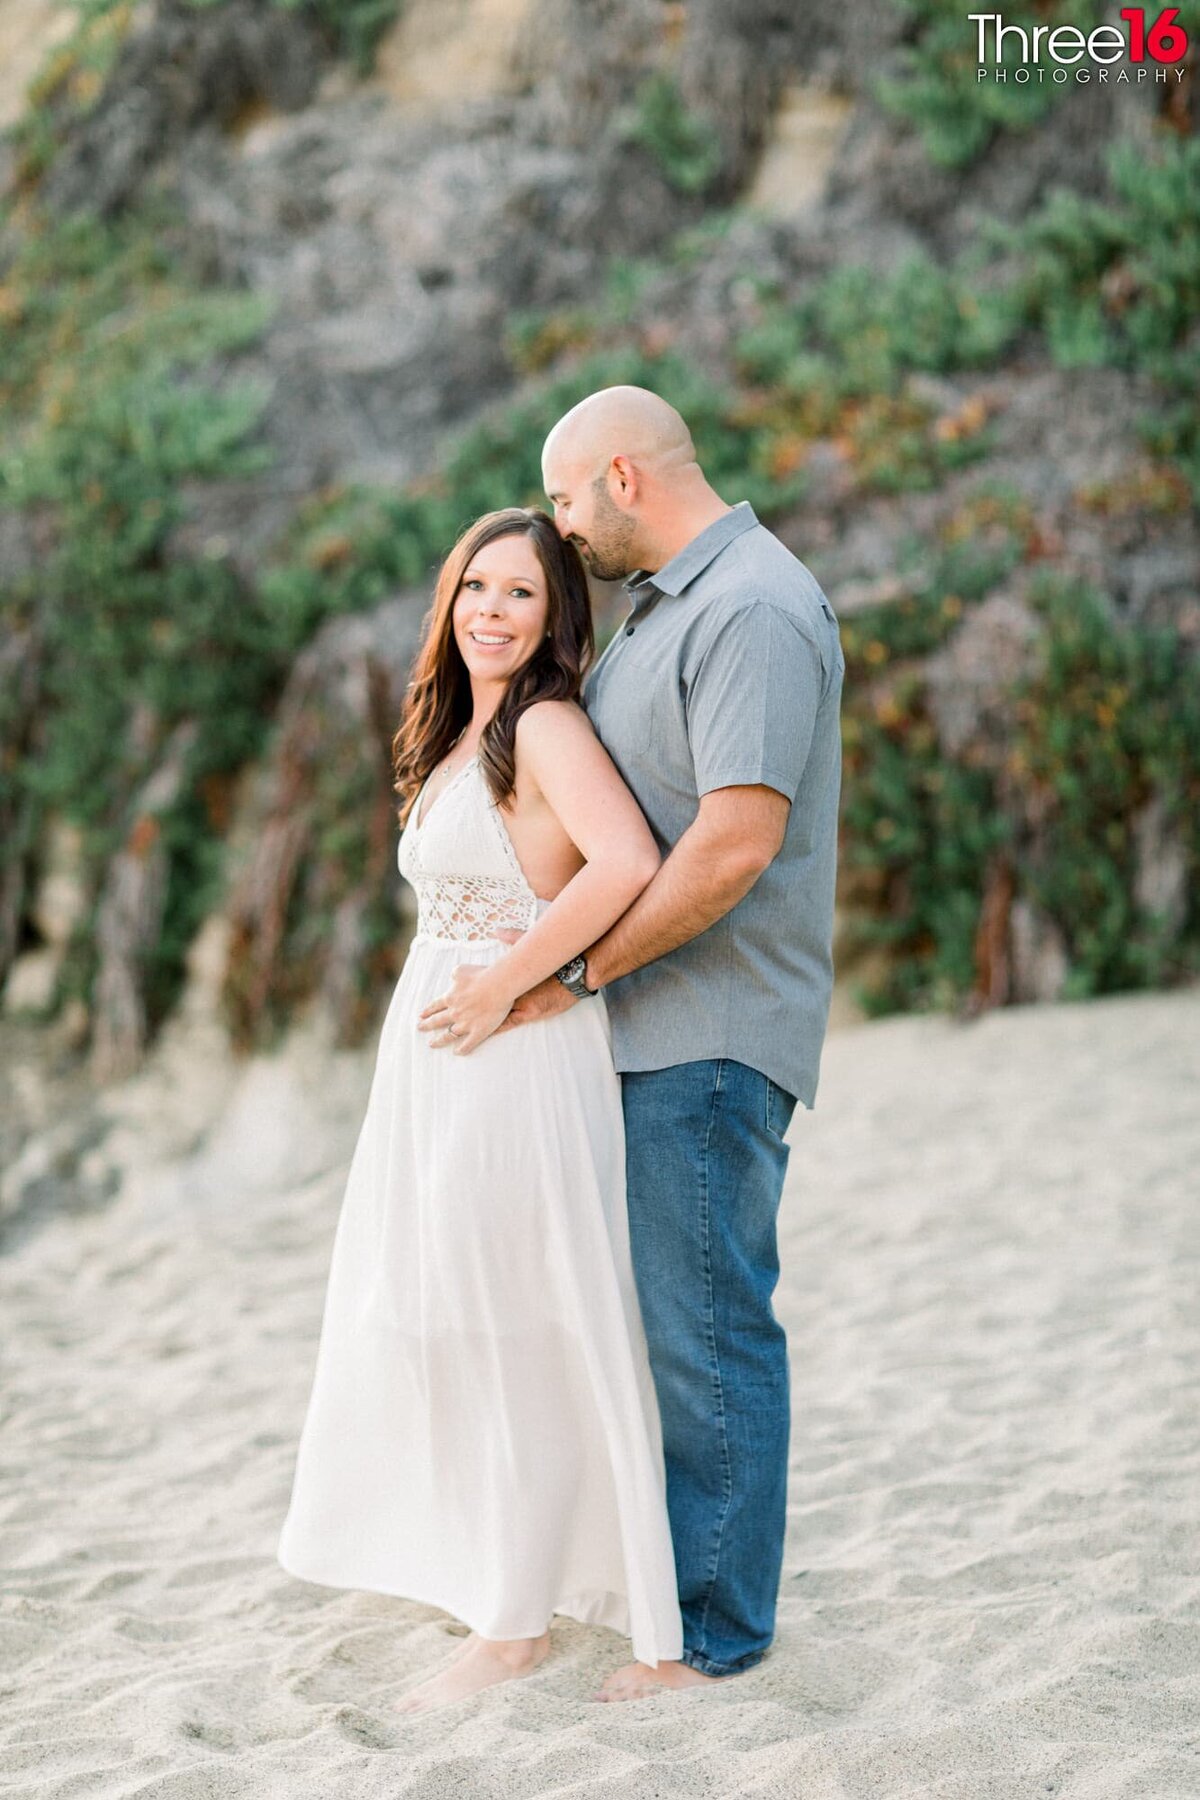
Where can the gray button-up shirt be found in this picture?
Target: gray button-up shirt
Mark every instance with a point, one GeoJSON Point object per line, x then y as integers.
{"type": "Point", "coordinates": [728, 671]}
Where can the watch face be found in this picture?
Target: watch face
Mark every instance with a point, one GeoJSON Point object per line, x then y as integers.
{"type": "Point", "coordinates": [573, 976]}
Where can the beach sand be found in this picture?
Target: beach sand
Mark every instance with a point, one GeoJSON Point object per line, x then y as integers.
{"type": "Point", "coordinates": [990, 1245]}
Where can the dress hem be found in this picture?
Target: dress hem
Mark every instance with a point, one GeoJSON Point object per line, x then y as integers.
{"type": "Point", "coordinates": [582, 1611]}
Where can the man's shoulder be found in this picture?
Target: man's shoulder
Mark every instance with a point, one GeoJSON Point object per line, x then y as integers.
{"type": "Point", "coordinates": [758, 570]}
{"type": "Point", "coordinates": [775, 573]}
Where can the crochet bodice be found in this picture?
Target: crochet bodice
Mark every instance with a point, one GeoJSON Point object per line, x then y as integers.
{"type": "Point", "coordinates": [462, 865]}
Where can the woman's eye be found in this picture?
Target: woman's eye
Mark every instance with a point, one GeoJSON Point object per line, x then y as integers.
{"type": "Point", "coordinates": [472, 583]}
{"type": "Point", "coordinates": [522, 593]}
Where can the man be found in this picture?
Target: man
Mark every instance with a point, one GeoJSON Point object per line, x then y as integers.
{"type": "Point", "coordinates": [718, 699]}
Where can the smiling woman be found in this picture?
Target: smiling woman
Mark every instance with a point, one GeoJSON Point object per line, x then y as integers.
{"type": "Point", "coordinates": [483, 1430]}
{"type": "Point", "coordinates": [509, 576]}
{"type": "Point", "coordinates": [502, 607]}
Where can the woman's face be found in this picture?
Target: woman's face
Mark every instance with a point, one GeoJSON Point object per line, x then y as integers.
{"type": "Point", "coordinates": [501, 609]}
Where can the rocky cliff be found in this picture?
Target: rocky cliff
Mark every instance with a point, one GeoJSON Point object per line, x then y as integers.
{"type": "Point", "coordinates": [287, 293]}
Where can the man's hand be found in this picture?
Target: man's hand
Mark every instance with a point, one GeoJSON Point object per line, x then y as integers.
{"type": "Point", "coordinates": [541, 1002]}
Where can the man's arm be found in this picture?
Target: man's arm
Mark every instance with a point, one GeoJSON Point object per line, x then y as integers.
{"type": "Point", "coordinates": [713, 865]}
{"type": "Point", "coordinates": [751, 707]}
{"type": "Point", "coordinates": [751, 710]}
{"type": "Point", "coordinates": [717, 860]}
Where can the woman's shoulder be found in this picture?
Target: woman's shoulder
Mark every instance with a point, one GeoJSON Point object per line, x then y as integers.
{"type": "Point", "coordinates": [552, 722]}
{"type": "Point", "coordinates": [550, 736]}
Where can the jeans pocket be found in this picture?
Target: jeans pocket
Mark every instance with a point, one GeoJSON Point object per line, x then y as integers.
{"type": "Point", "coordinates": [780, 1105]}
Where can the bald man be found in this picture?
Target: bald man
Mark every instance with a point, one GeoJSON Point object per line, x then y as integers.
{"type": "Point", "coordinates": [718, 698]}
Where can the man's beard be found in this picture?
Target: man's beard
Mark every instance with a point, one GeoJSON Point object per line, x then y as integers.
{"type": "Point", "coordinates": [607, 554]}
{"type": "Point", "coordinates": [605, 568]}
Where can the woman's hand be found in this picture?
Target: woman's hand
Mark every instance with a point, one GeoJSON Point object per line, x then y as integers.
{"type": "Point", "coordinates": [476, 1002]}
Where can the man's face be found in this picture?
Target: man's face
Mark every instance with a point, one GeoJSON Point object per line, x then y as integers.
{"type": "Point", "coordinates": [587, 516]}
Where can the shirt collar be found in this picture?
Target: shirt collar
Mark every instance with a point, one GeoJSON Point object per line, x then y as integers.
{"type": "Point", "coordinates": [695, 557]}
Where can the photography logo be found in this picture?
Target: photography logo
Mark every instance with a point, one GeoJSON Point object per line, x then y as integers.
{"type": "Point", "coordinates": [1060, 53]}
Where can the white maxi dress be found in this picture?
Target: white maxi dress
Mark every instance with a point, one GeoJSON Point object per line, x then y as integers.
{"type": "Point", "coordinates": [482, 1433]}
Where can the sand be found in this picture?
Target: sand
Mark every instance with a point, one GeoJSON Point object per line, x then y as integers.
{"type": "Point", "coordinates": [990, 1244]}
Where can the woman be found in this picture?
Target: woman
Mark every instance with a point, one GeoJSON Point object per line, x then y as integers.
{"type": "Point", "coordinates": [482, 1433]}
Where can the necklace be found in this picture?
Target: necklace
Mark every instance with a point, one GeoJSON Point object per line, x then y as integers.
{"type": "Point", "coordinates": [444, 770]}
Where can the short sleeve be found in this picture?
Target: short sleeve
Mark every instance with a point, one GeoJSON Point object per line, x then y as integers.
{"type": "Point", "coordinates": [752, 702]}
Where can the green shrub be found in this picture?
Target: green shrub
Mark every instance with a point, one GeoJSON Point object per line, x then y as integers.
{"type": "Point", "coordinates": [1100, 283]}
{"type": "Point", "coordinates": [922, 830]}
{"type": "Point", "coordinates": [1109, 724]}
{"type": "Point", "coordinates": [683, 145]}
{"type": "Point", "coordinates": [355, 28]}
{"type": "Point", "coordinates": [936, 87]}
{"type": "Point", "coordinates": [859, 332]}
{"type": "Point", "coordinates": [352, 548]}
{"type": "Point", "coordinates": [837, 364]}
{"type": "Point", "coordinates": [1117, 281]}
{"type": "Point", "coordinates": [104, 353]}
{"type": "Point", "coordinates": [107, 381]}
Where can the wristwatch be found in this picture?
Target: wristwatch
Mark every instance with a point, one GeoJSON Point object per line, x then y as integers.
{"type": "Point", "coordinates": [573, 976]}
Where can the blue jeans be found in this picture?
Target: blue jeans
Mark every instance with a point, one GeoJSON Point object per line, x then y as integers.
{"type": "Point", "coordinates": [705, 1161]}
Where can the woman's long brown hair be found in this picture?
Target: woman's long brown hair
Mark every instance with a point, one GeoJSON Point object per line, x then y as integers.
{"type": "Point", "coordinates": [437, 706]}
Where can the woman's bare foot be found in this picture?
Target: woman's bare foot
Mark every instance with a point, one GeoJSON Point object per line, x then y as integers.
{"type": "Point", "coordinates": [479, 1663]}
{"type": "Point", "coordinates": [635, 1680]}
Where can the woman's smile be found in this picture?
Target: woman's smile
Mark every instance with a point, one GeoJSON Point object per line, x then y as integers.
{"type": "Point", "coordinates": [504, 588]}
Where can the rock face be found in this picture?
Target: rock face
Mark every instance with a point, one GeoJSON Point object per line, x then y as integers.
{"type": "Point", "coordinates": [1064, 445]}
{"type": "Point", "coordinates": [396, 257]}
{"type": "Point", "coordinates": [29, 30]}
{"type": "Point", "coordinates": [21, 654]}
{"type": "Point", "coordinates": [395, 239]}
{"type": "Point", "coordinates": [442, 52]}
{"type": "Point", "coordinates": [794, 171]}
{"type": "Point", "coordinates": [130, 915]}
{"type": "Point", "coordinates": [398, 226]}
{"type": "Point", "coordinates": [965, 682]}
{"type": "Point", "coordinates": [491, 166]}
{"type": "Point", "coordinates": [330, 757]}
{"type": "Point", "coordinates": [183, 68]}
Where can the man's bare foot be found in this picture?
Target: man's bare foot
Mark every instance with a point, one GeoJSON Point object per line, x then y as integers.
{"type": "Point", "coordinates": [635, 1680]}
{"type": "Point", "coordinates": [479, 1663]}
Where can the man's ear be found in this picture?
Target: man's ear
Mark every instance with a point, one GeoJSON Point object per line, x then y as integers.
{"type": "Point", "coordinates": [623, 481]}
